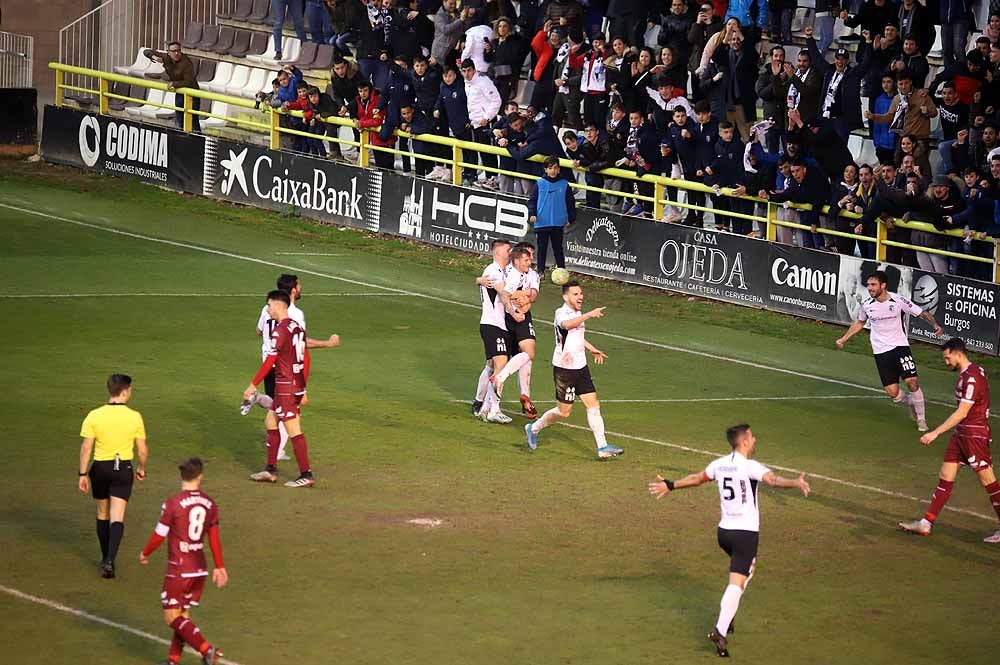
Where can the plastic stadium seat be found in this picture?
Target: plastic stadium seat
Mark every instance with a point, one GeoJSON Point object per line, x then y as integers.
{"type": "Point", "coordinates": [260, 12]}
{"type": "Point", "coordinates": [192, 35]}
{"type": "Point", "coordinates": [307, 56]}
{"type": "Point", "coordinates": [935, 51]}
{"type": "Point", "coordinates": [267, 57]}
{"type": "Point", "coordinates": [128, 91]}
{"type": "Point", "coordinates": [291, 46]}
{"type": "Point", "coordinates": [324, 57]}
{"type": "Point", "coordinates": [258, 43]}
{"type": "Point", "coordinates": [801, 18]}
{"type": "Point", "coordinates": [141, 61]}
{"type": "Point", "coordinates": [259, 79]}
{"type": "Point", "coordinates": [241, 74]}
{"type": "Point", "coordinates": [209, 37]}
{"type": "Point", "coordinates": [242, 10]}
{"type": "Point", "coordinates": [241, 44]}
{"type": "Point", "coordinates": [218, 108]}
{"type": "Point", "coordinates": [154, 71]}
{"type": "Point", "coordinates": [227, 36]}
{"type": "Point", "coordinates": [152, 97]}
{"type": "Point", "coordinates": [223, 72]}
{"type": "Point", "coordinates": [206, 71]}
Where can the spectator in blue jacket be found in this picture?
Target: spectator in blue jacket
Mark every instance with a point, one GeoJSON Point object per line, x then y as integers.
{"type": "Point", "coordinates": [550, 208]}
{"type": "Point", "coordinates": [726, 170]}
{"type": "Point", "coordinates": [288, 79]}
{"type": "Point", "coordinates": [884, 140]}
{"type": "Point", "coordinates": [453, 107]}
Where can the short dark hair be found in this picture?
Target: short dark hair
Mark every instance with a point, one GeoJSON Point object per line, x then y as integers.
{"type": "Point", "coordinates": [955, 344]}
{"type": "Point", "coordinates": [524, 245]}
{"type": "Point", "coordinates": [725, 124]}
{"type": "Point", "coordinates": [302, 85]}
{"type": "Point", "coordinates": [735, 433]}
{"type": "Point", "coordinates": [287, 282]}
{"type": "Point", "coordinates": [419, 58]}
{"type": "Point", "coordinates": [173, 43]}
{"type": "Point", "coordinates": [569, 285]}
{"type": "Point", "coordinates": [972, 170]}
{"type": "Point", "coordinates": [278, 294]}
{"type": "Point", "coordinates": [879, 276]}
{"type": "Point", "coordinates": [275, 81]}
{"type": "Point", "coordinates": [865, 166]}
{"type": "Point", "coordinates": [948, 84]}
{"type": "Point", "coordinates": [904, 75]}
{"type": "Point", "coordinates": [191, 468]}
{"type": "Point", "coordinates": [519, 252]}
{"type": "Point", "coordinates": [703, 106]}
{"type": "Point", "coordinates": [777, 47]}
{"type": "Point", "coordinates": [468, 64]}
{"type": "Point", "coordinates": [552, 160]}
{"type": "Point", "coordinates": [570, 134]}
{"type": "Point", "coordinates": [679, 108]}
{"type": "Point", "coordinates": [313, 90]}
{"type": "Point", "coordinates": [363, 84]}
{"type": "Point", "coordinates": [499, 241]}
{"type": "Point", "coordinates": [118, 383]}
{"type": "Point", "coordinates": [617, 106]}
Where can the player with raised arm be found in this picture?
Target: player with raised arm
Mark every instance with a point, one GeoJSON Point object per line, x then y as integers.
{"type": "Point", "coordinates": [571, 374]}
{"type": "Point", "coordinates": [521, 284]}
{"type": "Point", "coordinates": [291, 363]}
{"type": "Point", "coordinates": [737, 476]}
{"type": "Point", "coordinates": [493, 331]}
{"type": "Point", "coordinates": [969, 445]}
{"type": "Point", "coordinates": [185, 520]}
{"type": "Point", "coordinates": [893, 358]}
{"type": "Point", "coordinates": [274, 429]}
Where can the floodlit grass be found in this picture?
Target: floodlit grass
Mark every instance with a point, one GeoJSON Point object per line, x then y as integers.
{"type": "Point", "coordinates": [551, 557]}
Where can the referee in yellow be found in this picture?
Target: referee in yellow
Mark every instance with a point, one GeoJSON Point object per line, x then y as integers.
{"type": "Point", "coordinates": [112, 433]}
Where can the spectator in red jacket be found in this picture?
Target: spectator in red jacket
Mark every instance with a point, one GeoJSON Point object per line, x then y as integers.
{"type": "Point", "coordinates": [364, 110]}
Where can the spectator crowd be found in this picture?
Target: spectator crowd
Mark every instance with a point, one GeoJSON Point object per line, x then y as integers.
{"type": "Point", "coordinates": [717, 93]}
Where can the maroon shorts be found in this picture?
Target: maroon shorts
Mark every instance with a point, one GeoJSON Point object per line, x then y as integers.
{"type": "Point", "coordinates": [286, 406]}
{"type": "Point", "coordinates": [969, 449]}
{"type": "Point", "coordinates": [182, 593]}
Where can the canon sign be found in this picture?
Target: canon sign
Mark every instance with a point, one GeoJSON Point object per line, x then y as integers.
{"type": "Point", "coordinates": [128, 142]}
{"type": "Point", "coordinates": [803, 277]}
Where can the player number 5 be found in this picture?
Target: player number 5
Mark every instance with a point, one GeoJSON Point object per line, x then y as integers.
{"type": "Point", "coordinates": [727, 487]}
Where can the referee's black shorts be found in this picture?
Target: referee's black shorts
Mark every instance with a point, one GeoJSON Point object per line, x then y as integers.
{"type": "Point", "coordinates": [741, 546]}
{"type": "Point", "coordinates": [106, 481]}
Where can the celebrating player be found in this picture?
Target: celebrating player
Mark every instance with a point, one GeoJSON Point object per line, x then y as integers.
{"type": "Point", "coordinates": [521, 283]}
{"type": "Point", "coordinates": [265, 327]}
{"type": "Point", "coordinates": [113, 432]}
{"type": "Point", "coordinates": [493, 331]}
{"type": "Point", "coordinates": [185, 519]}
{"type": "Point", "coordinates": [288, 357]}
{"type": "Point", "coordinates": [737, 476]}
{"type": "Point", "coordinates": [893, 358]}
{"type": "Point", "coordinates": [969, 445]}
{"type": "Point", "coordinates": [571, 374]}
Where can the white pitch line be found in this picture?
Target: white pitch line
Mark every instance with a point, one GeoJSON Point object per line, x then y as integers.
{"type": "Point", "coordinates": [51, 604]}
{"type": "Point", "coordinates": [788, 469]}
{"type": "Point", "coordinates": [380, 294]}
{"type": "Point", "coordinates": [306, 254]}
{"type": "Point", "coordinates": [698, 399]}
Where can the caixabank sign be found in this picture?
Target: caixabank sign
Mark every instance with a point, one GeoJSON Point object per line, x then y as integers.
{"type": "Point", "coordinates": [149, 153]}
{"type": "Point", "coordinates": [721, 266]}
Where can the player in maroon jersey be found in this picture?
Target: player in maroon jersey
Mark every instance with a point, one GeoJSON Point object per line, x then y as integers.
{"type": "Point", "coordinates": [290, 361]}
{"type": "Point", "coordinates": [969, 445]}
{"type": "Point", "coordinates": [185, 521]}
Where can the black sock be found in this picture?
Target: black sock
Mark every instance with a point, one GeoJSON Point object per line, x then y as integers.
{"type": "Point", "coordinates": [103, 533]}
{"type": "Point", "coordinates": [117, 530]}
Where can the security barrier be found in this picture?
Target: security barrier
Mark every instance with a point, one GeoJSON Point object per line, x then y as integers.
{"type": "Point", "coordinates": [273, 127]}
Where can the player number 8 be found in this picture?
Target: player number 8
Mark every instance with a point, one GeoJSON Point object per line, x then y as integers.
{"type": "Point", "coordinates": [196, 522]}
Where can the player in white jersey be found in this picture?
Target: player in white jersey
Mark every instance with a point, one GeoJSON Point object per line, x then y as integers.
{"type": "Point", "coordinates": [265, 326]}
{"type": "Point", "coordinates": [884, 312]}
{"type": "Point", "coordinates": [736, 475]}
{"type": "Point", "coordinates": [521, 283]}
{"type": "Point", "coordinates": [493, 331]}
{"type": "Point", "coordinates": [571, 374]}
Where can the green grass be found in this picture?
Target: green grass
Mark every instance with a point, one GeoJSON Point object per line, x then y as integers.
{"type": "Point", "coordinates": [549, 557]}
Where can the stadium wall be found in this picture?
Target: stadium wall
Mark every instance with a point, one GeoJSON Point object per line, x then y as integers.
{"type": "Point", "coordinates": [735, 269]}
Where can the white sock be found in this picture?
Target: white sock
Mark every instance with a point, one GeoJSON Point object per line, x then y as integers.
{"type": "Point", "coordinates": [917, 400]}
{"type": "Point", "coordinates": [548, 418]}
{"type": "Point", "coordinates": [264, 401]}
{"type": "Point", "coordinates": [596, 422]}
{"type": "Point", "coordinates": [901, 397]}
{"type": "Point", "coordinates": [284, 438]}
{"type": "Point", "coordinates": [524, 378]}
{"type": "Point", "coordinates": [728, 607]}
{"type": "Point", "coordinates": [491, 404]}
{"type": "Point", "coordinates": [484, 382]}
{"type": "Point", "coordinates": [513, 365]}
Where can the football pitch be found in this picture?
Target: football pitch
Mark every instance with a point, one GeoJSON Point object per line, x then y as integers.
{"type": "Point", "coordinates": [541, 558]}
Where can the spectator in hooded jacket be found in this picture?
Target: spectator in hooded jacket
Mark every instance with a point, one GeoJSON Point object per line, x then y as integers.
{"type": "Point", "coordinates": [483, 104]}
{"type": "Point", "coordinates": [550, 208]}
{"type": "Point", "coordinates": [364, 110]}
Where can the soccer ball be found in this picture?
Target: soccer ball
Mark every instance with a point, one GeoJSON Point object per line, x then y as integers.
{"type": "Point", "coordinates": [560, 276]}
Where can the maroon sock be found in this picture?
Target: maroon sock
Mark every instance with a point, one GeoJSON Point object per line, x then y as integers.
{"type": "Point", "coordinates": [301, 453]}
{"type": "Point", "coordinates": [190, 633]}
{"type": "Point", "coordinates": [273, 442]}
{"type": "Point", "coordinates": [993, 489]}
{"type": "Point", "coordinates": [176, 648]}
{"type": "Point", "coordinates": [941, 495]}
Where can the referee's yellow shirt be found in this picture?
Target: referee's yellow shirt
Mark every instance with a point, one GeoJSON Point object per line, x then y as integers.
{"type": "Point", "coordinates": [114, 428]}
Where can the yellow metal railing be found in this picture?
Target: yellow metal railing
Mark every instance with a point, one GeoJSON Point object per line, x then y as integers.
{"type": "Point", "coordinates": [457, 161]}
